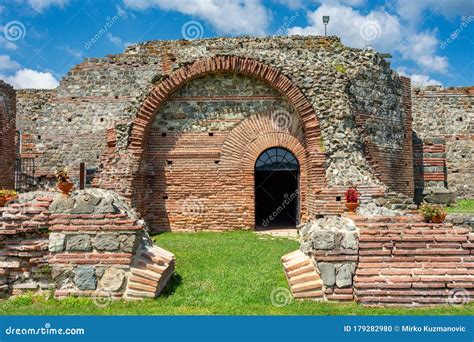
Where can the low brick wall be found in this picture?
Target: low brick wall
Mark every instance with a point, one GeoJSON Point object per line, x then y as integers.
{"type": "Point", "coordinates": [88, 244]}
{"type": "Point", "coordinates": [397, 260]}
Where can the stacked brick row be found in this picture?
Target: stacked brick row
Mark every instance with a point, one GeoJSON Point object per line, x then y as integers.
{"type": "Point", "coordinates": [430, 162]}
{"type": "Point", "coordinates": [302, 276]}
{"type": "Point", "coordinates": [403, 261]}
{"type": "Point", "coordinates": [7, 136]}
{"type": "Point", "coordinates": [24, 247]}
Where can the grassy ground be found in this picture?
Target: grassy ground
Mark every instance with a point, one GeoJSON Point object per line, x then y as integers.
{"type": "Point", "coordinates": [217, 273]}
{"type": "Point", "coordinates": [463, 207]}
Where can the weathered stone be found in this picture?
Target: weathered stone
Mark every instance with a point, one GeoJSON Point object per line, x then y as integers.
{"type": "Point", "coordinates": [85, 278]}
{"type": "Point", "coordinates": [82, 207]}
{"type": "Point", "coordinates": [128, 244]}
{"type": "Point", "coordinates": [344, 276]}
{"type": "Point", "coordinates": [439, 195]}
{"type": "Point", "coordinates": [79, 243]}
{"type": "Point", "coordinates": [56, 242]}
{"type": "Point", "coordinates": [350, 240]}
{"type": "Point", "coordinates": [328, 273]}
{"type": "Point", "coordinates": [323, 239]}
{"type": "Point", "coordinates": [107, 242]}
{"type": "Point", "coordinates": [112, 279]}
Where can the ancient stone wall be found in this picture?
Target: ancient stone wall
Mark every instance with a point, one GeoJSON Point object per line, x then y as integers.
{"type": "Point", "coordinates": [447, 115]}
{"type": "Point", "coordinates": [89, 244]}
{"type": "Point", "coordinates": [103, 113]}
{"type": "Point", "coordinates": [7, 136]}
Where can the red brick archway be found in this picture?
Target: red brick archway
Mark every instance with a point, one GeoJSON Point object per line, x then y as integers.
{"type": "Point", "coordinates": [305, 144]}
{"type": "Point", "coordinates": [220, 64]}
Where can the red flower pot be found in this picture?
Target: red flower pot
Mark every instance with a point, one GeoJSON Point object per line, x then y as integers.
{"type": "Point", "coordinates": [65, 187]}
{"type": "Point", "coordinates": [352, 206]}
{"type": "Point", "coordinates": [5, 199]}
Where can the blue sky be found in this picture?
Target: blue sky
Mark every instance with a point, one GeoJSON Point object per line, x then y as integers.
{"type": "Point", "coordinates": [40, 40]}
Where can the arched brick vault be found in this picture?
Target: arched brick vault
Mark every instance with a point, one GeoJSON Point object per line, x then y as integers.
{"type": "Point", "coordinates": [240, 146]}
{"type": "Point", "coordinates": [219, 64]}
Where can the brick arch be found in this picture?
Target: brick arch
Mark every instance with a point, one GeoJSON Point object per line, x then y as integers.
{"type": "Point", "coordinates": [234, 64]}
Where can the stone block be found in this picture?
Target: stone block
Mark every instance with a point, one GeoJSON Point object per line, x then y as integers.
{"type": "Point", "coordinates": [85, 278]}
{"type": "Point", "coordinates": [344, 276]}
{"type": "Point", "coordinates": [323, 239]}
{"type": "Point", "coordinates": [350, 240]}
{"type": "Point", "coordinates": [107, 242]}
{"type": "Point", "coordinates": [112, 280]}
{"type": "Point", "coordinates": [79, 243]}
{"type": "Point", "coordinates": [56, 242]}
{"type": "Point", "coordinates": [328, 273]}
{"type": "Point", "coordinates": [128, 243]}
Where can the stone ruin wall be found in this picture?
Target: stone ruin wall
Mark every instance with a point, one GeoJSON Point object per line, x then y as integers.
{"type": "Point", "coordinates": [89, 244]}
{"type": "Point", "coordinates": [348, 89]}
{"type": "Point", "coordinates": [443, 121]}
{"type": "Point", "coordinates": [7, 136]}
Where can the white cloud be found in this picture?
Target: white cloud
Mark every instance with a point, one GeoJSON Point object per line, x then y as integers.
{"type": "Point", "coordinates": [41, 5]}
{"type": "Point", "coordinates": [354, 28]}
{"type": "Point", "coordinates": [380, 29]}
{"type": "Point", "coordinates": [226, 16]}
{"type": "Point", "coordinates": [115, 40]}
{"type": "Point", "coordinates": [27, 78]}
{"type": "Point", "coordinates": [412, 10]}
{"type": "Point", "coordinates": [421, 48]}
{"type": "Point", "coordinates": [418, 80]}
{"type": "Point", "coordinates": [6, 63]}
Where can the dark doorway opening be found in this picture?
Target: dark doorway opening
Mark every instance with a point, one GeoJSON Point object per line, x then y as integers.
{"type": "Point", "coordinates": [276, 189]}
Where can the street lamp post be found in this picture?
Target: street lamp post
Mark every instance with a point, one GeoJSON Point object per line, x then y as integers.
{"type": "Point", "coordinates": [325, 22]}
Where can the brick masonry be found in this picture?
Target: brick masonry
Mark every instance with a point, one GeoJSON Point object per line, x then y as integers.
{"type": "Point", "coordinates": [7, 136]}
{"type": "Point", "coordinates": [88, 244]}
{"type": "Point", "coordinates": [446, 117]}
{"type": "Point", "coordinates": [111, 113]}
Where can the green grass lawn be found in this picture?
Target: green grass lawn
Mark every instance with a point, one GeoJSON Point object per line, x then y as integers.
{"type": "Point", "coordinates": [217, 273]}
{"type": "Point", "coordinates": [462, 207]}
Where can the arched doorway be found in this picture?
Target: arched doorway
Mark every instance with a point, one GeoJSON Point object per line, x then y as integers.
{"type": "Point", "coordinates": [276, 189]}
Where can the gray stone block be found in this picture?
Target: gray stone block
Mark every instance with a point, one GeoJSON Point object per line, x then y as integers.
{"type": "Point", "coordinates": [328, 273]}
{"type": "Point", "coordinates": [344, 276]}
{"type": "Point", "coordinates": [323, 239]}
{"type": "Point", "coordinates": [79, 243]}
{"type": "Point", "coordinates": [107, 242]}
{"type": "Point", "coordinates": [56, 242]}
{"type": "Point", "coordinates": [85, 278]}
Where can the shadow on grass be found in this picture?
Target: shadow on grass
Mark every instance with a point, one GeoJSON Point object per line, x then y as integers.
{"type": "Point", "coordinates": [175, 281]}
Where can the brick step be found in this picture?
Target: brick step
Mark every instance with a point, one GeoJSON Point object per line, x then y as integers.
{"type": "Point", "coordinates": [302, 275]}
{"type": "Point", "coordinates": [150, 272]}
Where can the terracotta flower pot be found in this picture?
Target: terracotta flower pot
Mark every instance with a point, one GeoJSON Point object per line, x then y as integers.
{"type": "Point", "coordinates": [438, 218]}
{"type": "Point", "coordinates": [5, 199]}
{"type": "Point", "coordinates": [65, 187]}
{"type": "Point", "coordinates": [352, 206]}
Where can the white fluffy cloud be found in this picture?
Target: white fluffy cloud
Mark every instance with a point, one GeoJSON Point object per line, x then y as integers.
{"type": "Point", "coordinates": [6, 63]}
{"type": "Point", "coordinates": [377, 28]}
{"type": "Point", "coordinates": [226, 16]}
{"type": "Point", "coordinates": [380, 29]}
{"type": "Point", "coordinates": [412, 10]}
{"type": "Point", "coordinates": [418, 80]}
{"type": "Point", "coordinates": [27, 78]}
{"type": "Point", "coordinates": [41, 5]}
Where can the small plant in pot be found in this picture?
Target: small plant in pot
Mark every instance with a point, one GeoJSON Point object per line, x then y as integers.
{"type": "Point", "coordinates": [63, 182]}
{"type": "Point", "coordinates": [433, 213]}
{"type": "Point", "coordinates": [7, 195]}
{"type": "Point", "coordinates": [352, 199]}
